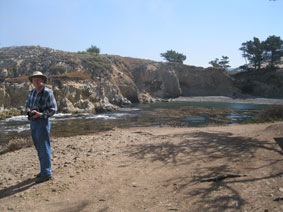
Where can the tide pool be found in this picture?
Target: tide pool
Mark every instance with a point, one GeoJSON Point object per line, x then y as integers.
{"type": "Point", "coordinates": [177, 114]}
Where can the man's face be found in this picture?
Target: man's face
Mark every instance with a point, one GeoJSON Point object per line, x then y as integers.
{"type": "Point", "coordinates": [37, 82]}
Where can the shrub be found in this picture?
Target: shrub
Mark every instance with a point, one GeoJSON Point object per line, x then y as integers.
{"type": "Point", "coordinates": [272, 113]}
{"type": "Point", "coordinates": [93, 49]}
{"type": "Point", "coordinates": [82, 52]}
{"type": "Point", "coordinates": [57, 69]}
{"type": "Point", "coordinates": [16, 144]}
{"type": "Point", "coordinates": [9, 113]}
{"type": "Point", "coordinates": [72, 75]}
{"type": "Point", "coordinates": [17, 79]}
{"type": "Point", "coordinates": [247, 89]}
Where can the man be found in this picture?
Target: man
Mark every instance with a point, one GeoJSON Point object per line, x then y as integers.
{"type": "Point", "coordinates": [40, 105]}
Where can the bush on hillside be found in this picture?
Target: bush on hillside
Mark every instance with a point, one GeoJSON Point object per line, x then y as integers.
{"type": "Point", "coordinates": [56, 69]}
{"type": "Point", "coordinates": [173, 56]}
{"type": "Point", "coordinates": [72, 76]}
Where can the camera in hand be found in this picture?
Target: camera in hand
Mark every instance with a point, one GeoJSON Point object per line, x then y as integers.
{"type": "Point", "coordinates": [31, 113]}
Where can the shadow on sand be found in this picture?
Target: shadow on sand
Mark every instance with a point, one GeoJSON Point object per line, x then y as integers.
{"type": "Point", "coordinates": [23, 186]}
{"type": "Point", "coordinates": [219, 194]}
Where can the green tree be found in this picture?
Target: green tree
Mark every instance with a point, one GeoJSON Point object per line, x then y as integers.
{"type": "Point", "coordinates": [215, 63]}
{"type": "Point", "coordinates": [254, 51]}
{"type": "Point", "coordinates": [93, 49]}
{"type": "Point", "coordinates": [273, 46]}
{"type": "Point", "coordinates": [223, 63]}
{"type": "Point", "coordinates": [173, 56]}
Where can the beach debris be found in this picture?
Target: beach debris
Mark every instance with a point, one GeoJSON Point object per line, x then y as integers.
{"type": "Point", "coordinates": [278, 199]}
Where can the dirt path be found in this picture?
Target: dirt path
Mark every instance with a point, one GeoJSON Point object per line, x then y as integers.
{"type": "Point", "coordinates": [233, 168]}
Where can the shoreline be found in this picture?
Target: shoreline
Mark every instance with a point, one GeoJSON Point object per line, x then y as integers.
{"type": "Point", "coordinates": [217, 99]}
{"type": "Point", "coordinates": [225, 99]}
{"type": "Point", "coordinates": [7, 113]}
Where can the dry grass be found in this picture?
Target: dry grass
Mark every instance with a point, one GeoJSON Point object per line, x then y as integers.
{"type": "Point", "coordinates": [16, 144]}
{"type": "Point", "coordinates": [9, 113]}
{"type": "Point", "coordinates": [70, 76]}
{"type": "Point", "coordinates": [17, 79]}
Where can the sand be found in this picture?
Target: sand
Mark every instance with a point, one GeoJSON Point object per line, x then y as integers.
{"type": "Point", "coordinates": [230, 168]}
{"type": "Point", "coordinates": [266, 101]}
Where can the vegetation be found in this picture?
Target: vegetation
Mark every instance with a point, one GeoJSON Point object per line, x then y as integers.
{"type": "Point", "coordinates": [272, 113]}
{"type": "Point", "coordinates": [93, 49]}
{"type": "Point", "coordinates": [173, 56]}
{"type": "Point", "coordinates": [223, 63]}
{"type": "Point", "coordinates": [257, 52]}
{"type": "Point", "coordinates": [9, 113]}
{"type": "Point", "coordinates": [16, 144]}
{"type": "Point", "coordinates": [72, 75]}
{"type": "Point", "coordinates": [57, 69]}
{"type": "Point", "coordinates": [17, 79]}
{"type": "Point", "coordinates": [253, 51]}
{"type": "Point", "coordinates": [273, 46]}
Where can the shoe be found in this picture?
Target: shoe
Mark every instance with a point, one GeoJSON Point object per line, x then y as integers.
{"type": "Point", "coordinates": [42, 179]}
{"type": "Point", "coordinates": [38, 175]}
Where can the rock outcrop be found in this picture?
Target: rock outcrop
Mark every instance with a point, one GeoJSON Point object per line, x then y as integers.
{"type": "Point", "coordinates": [260, 83]}
{"type": "Point", "coordinates": [95, 83]}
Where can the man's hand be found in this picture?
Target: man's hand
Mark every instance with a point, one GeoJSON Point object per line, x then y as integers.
{"type": "Point", "coordinates": [37, 114]}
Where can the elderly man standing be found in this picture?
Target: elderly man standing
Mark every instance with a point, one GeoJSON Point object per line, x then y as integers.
{"type": "Point", "coordinates": [40, 105]}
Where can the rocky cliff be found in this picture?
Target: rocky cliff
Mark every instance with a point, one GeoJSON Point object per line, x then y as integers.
{"type": "Point", "coordinates": [260, 83]}
{"type": "Point", "coordinates": [95, 83]}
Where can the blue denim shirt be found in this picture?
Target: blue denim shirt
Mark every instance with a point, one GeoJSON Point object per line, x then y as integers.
{"type": "Point", "coordinates": [43, 101]}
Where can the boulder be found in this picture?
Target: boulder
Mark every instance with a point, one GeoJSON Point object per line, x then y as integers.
{"type": "Point", "coordinates": [3, 74]}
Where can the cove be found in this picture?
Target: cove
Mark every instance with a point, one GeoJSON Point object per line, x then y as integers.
{"type": "Point", "coordinates": [159, 114]}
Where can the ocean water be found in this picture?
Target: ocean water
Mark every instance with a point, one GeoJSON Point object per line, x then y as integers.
{"type": "Point", "coordinates": [177, 114]}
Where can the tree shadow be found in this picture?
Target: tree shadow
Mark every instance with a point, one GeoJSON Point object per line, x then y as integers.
{"type": "Point", "coordinates": [218, 195]}
{"type": "Point", "coordinates": [200, 145]}
{"type": "Point", "coordinates": [23, 186]}
{"type": "Point", "coordinates": [209, 148]}
{"type": "Point", "coordinates": [279, 141]}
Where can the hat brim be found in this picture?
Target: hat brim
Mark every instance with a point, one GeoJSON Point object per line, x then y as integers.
{"type": "Point", "coordinates": [41, 76]}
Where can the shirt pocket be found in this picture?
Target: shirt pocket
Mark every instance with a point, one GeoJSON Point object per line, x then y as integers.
{"type": "Point", "coordinates": [41, 105]}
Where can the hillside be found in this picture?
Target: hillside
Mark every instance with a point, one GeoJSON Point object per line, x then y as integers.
{"type": "Point", "coordinates": [96, 83]}
{"type": "Point", "coordinates": [260, 83]}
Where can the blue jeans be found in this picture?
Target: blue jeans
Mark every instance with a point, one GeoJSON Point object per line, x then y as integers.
{"type": "Point", "coordinates": [40, 130]}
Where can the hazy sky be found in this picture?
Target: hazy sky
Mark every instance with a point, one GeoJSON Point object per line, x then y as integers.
{"type": "Point", "coordinates": [200, 29]}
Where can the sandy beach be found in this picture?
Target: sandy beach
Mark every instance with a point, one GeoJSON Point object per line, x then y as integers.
{"type": "Point", "coordinates": [266, 101]}
{"type": "Point", "coordinates": [228, 168]}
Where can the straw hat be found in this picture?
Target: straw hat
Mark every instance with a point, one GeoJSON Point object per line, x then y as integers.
{"type": "Point", "coordinates": [38, 74]}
